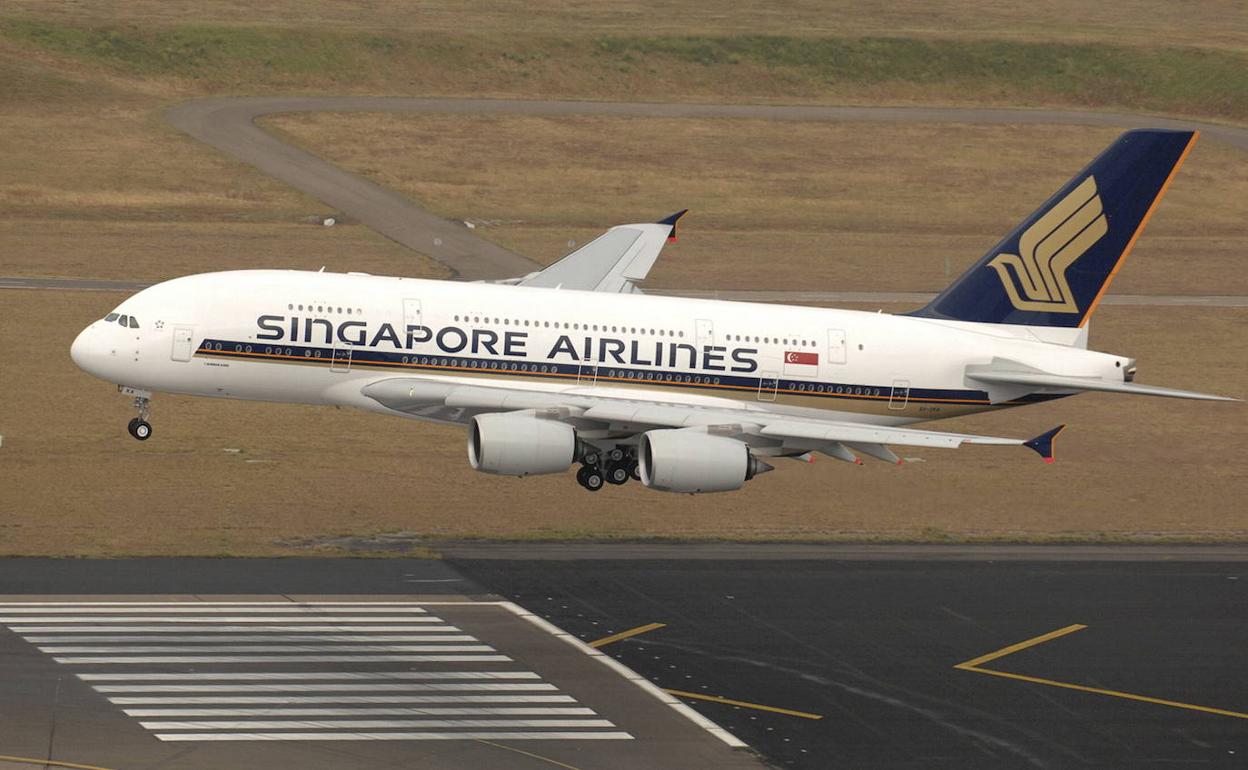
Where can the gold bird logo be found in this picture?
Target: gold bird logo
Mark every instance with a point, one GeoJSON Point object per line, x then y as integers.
{"type": "Point", "coordinates": [1050, 246]}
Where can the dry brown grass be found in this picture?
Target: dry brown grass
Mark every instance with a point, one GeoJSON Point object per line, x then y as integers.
{"type": "Point", "coordinates": [75, 483]}
{"type": "Point", "coordinates": [1220, 23]}
{"type": "Point", "coordinates": [782, 205]}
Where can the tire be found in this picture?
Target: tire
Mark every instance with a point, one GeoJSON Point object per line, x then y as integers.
{"type": "Point", "coordinates": [591, 458]}
{"type": "Point", "coordinates": [615, 455]}
{"type": "Point", "coordinates": [590, 479]}
{"type": "Point", "coordinates": [634, 472]}
{"type": "Point", "coordinates": [130, 426]}
{"type": "Point", "coordinates": [142, 430]}
{"type": "Point", "coordinates": [617, 474]}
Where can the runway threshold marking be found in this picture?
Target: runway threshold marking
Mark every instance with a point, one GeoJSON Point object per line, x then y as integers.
{"type": "Point", "coordinates": [742, 704]}
{"type": "Point", "coordinates": [976, 664]}
{"type": "Point", "coordinates": [603, 642]}
{"type": "Point", "coordinates": [49, 763]}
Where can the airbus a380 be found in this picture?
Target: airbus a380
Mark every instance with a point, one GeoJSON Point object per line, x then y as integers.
{"type": "Point", "coordinates": [573, 365]}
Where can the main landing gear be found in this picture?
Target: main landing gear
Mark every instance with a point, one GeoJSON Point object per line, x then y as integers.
{"type": "Point", "coordinates": [139, 427]}
{"type": "Point", "coordinates": [612, 466]}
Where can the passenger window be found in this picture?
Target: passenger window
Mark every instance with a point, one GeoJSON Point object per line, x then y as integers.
{"type": "Point", "coordinates": [110, 317]}
{"type": "Point", "coordinates": [134, 322]}
{"type": "Point", "coordinates": [123, 320]}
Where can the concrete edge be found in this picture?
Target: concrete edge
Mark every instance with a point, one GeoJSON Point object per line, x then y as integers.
{"type": "Point", "coordinates": [629, 674]}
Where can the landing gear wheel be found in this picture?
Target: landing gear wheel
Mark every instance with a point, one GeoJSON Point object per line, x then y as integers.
{"type": "Point", "coordinates": [617, 474]}
{"type": "Point", "coordinates": [590, 478]}
{"type": "Point", "coordinates": [140, 429]}
{"type": "Point", "coordinates": [615, 455]}
{"type": "Point", "coordinates": [634, 472]}
{"type": "Point", "coordinates": [591, 458]}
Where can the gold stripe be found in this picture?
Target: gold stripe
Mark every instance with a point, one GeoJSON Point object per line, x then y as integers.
{"type": "Point", "coordinates": [974, 665]}
{"type": "Point", "coordinates": [603, 642]}
{"type": "Point", "coordinates": [1135, 236]}
{"type": "Point", "coordinates": [742, 704]}
{"type": "Point", "coordinates": [1013, 648]}
{"type": "Point", "coordinates": [1111, 693]}
{"type": "Point", "coordinates": [795, 397]}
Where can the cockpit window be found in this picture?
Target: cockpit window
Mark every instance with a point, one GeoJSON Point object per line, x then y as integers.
{"type": "Point", "coordinates": [123, 320]}
{"type": "Point", "coordinates": [134, 322]}
{"type": "Point", "coordinates": [110, 317]}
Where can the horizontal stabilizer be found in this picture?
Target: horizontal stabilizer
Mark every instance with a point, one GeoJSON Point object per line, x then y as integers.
{"type": "Point", "coordinates": [1043, 444]}
{"type": "Point", "coordinates": [1024, 380]}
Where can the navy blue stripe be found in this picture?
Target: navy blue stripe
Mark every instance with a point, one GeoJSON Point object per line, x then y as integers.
{"type": "Point", "coordinates": [444, 362]}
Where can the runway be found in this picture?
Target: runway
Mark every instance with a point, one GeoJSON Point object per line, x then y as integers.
{"type": "Point", "coordinates": [845, 656]}
{"type": "Point", "coordinates": [408, 671]}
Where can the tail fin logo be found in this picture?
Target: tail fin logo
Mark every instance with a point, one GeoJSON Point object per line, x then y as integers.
{"type": "Point", "coordinates": [1037, 280]}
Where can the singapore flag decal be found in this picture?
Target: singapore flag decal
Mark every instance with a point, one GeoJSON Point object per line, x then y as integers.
{"type": "Point", "coordinates": [798, 363]}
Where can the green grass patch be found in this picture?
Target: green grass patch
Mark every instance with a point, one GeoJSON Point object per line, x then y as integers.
{"type": "Point", "coordinates": [213, 58]}
{"type": "Point", "coordinates": [1169, 79]}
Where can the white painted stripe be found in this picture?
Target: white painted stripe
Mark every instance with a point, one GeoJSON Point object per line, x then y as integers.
{"type": "Point", "coordinates": [297, 675]}
{"type": "Point", "coordinates": [365, 687]}
{"type": "Point", "coordinates": [131, 639]}
{"type": "Point", "coordinates": [288, 658]}
{"type": "Point", "coordinates": [204, 609]}
{"type": "Point", "coordinates": [216, 700]}
{"type": "Point", "coordinates": [70, 631]}
{"type": "Point", "coordinates": [627, 673]}
{"type": "Point", "coordinates": [218, 649]}
{"type": "Point", "coordinates": [535, 711]}
{"type": "Point", "coordinates": [310, 618]}
{"type": "Point", "coordinates": [372, 724]}
{"type": "Point", "coordinates": [496, 735]}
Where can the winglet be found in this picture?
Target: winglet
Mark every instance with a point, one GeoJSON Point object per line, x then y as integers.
{"type": "Point", "coordinates": [1043, 444]}
{"type": "Point", "coordinates": [672, 220]}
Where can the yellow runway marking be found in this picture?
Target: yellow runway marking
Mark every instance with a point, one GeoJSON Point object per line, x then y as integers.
{"type": "Point", "coordinates": [50, 763]}
{"type": "Point", "coordinates": [976, 663]}
{"type": "Point", "coordinates": [1013, 648]}
{"type": "Point", "coordinates": [603, 642]}
{"type": "Point", "coordinates": [742, 704]}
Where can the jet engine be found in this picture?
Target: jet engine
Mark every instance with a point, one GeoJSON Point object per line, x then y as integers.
{"type": "Point", "coordinates": [687, 461]}
{"type": "Point", "coordinates": [512, 444]}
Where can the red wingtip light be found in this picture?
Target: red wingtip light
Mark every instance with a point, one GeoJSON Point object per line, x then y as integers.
{"type": "Point", "coordinates": [1048, 461]}
{"type": "Point", "coordinates": [857, 461]}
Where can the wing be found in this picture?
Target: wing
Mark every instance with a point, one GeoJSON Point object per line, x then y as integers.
{"type": "Point", "coordinates": [598, 415]}
{"type": "Point", "coordinates": [614, 262]}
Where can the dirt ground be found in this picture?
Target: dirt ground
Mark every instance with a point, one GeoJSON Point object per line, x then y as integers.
{"type": "Point", "coordinates": [853, 207]}
{"type": "Point", "coordinates": [224, 477]}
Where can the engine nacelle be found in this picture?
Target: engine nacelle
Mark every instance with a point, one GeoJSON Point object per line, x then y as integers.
{"type": "Point", "coordinates": [686, 461]}
{"type": "Point", "coordinates": [512, 444]}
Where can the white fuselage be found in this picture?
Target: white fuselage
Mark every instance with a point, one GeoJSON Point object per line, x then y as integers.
{"type": "Point", "coordinates": [319, 338]}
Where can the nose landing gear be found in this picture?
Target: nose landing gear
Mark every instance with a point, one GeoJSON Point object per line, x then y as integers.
{"type": "Point", "coordinates": [139, 427]}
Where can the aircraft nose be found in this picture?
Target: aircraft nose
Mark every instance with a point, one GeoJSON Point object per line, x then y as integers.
{"type": "Point", "coordinates": [85, 351]}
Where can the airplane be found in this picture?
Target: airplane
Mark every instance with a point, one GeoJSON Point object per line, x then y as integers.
{"type": "Point", "coordinates": [574, 365]}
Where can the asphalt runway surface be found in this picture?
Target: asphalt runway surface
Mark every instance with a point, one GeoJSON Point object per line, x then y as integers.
{"type": "Point", "coordinates": [859, 647]}
{"type": "Point", "coordinates": [203, 664]}
{"type": "Point", "coordinates": [815, 656]}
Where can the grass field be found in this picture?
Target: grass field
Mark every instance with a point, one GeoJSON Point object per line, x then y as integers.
{"type": "Point", "coordinates": [837, 206]}
{"type": "Point", "coordinates": [76, 483]}
{"type": "Point", "coordinates": [94, 184]}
